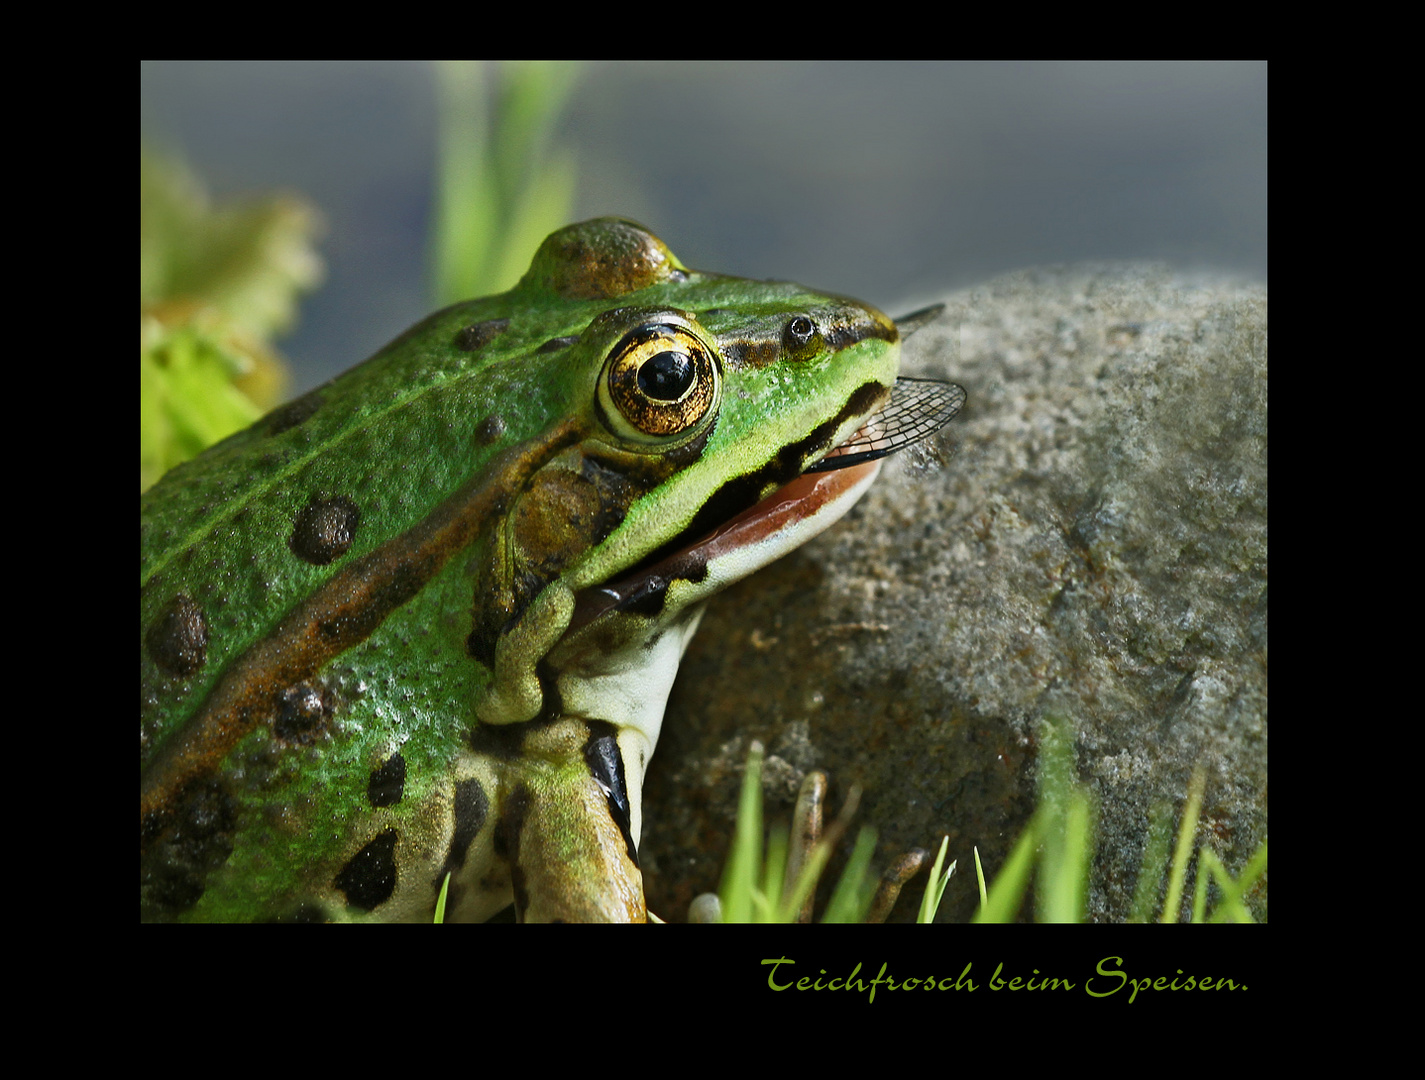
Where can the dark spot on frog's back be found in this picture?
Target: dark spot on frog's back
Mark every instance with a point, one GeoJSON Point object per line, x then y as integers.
{"type": "Point", "coordinates": [557, 344]}
{"type": "Point", "coordinates": [477, 335]}
{"type": "Point", "coordinates": [387, 784]}
{"type": "Point", "coordinates": [369, 879]}
{"type": "Point", "coordinates": [324, 530]}
{"type": "Point", "coordinates": [489, 430]}
{"type": "Point", "coordinates": [602, 259]}
{"type": "Point", "coordinates": [293, 413]}
{"type": "Point", "coordinates": [303, 713]}
{"type": "Point", "coordinates": [177, 639]}
{"type": "Point", "coordinates": [196, 839]}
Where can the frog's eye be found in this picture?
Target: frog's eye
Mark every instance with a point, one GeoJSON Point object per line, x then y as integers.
{"type": "Point", "coordinates": [662, 381]}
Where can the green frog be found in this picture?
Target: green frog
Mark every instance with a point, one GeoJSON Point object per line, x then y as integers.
{"type": "Point", "coordinates": [417, 628]}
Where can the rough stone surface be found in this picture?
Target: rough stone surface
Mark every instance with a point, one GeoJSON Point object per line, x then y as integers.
{"type": "Point", "coordinates": [1091, 547]}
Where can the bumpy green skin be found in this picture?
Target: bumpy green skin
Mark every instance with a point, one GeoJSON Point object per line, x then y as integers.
{"type": "Point", "coordinates": [345, 608]}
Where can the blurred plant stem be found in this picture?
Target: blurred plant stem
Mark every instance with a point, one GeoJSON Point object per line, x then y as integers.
{"type": "Point", "coordinates": [501, 185]}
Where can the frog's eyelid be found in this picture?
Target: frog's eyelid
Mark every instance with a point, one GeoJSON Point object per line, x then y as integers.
{"type": "Point", "coordinates": [918, 408]}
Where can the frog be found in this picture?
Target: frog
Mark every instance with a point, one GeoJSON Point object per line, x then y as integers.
{"type": "Point", "coordinates": [412, 634]}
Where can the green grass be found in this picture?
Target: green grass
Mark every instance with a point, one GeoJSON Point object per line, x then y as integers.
{"type": "Point", "coordinates": [440, 900]}
{"type": "Point", "coordinates": [757, 888]}
{"type": "Point", "coordinates": [1054, 853]}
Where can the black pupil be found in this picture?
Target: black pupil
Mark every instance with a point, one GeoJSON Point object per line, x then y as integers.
{"type": "Point", "coordinates": [667, 376]}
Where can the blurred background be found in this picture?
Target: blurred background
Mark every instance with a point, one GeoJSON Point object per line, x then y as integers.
{"type": "Point", "coordinates": [889, 181]}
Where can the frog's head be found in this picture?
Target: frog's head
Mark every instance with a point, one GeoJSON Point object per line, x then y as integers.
{"type": "Point", "coordinates": [683, 410]}
{"type": "Point", "coordinates": [675, 402]}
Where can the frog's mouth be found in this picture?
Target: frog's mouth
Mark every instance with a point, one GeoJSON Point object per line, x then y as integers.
{"type": "Point", "coordinates": [785, 519]}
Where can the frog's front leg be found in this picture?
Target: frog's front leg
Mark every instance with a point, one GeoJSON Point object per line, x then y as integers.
{"type": "Point", "coordinates": [566, 825]}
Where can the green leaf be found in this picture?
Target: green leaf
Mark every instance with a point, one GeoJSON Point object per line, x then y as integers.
{"type": "Point", "coordinates": [215, 283]}
{"type": "Point", "coordinates": [250, 259]}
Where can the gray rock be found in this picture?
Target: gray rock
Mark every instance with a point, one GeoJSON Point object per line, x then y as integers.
{"type": "Point", "coordinates": [1087, 542]}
